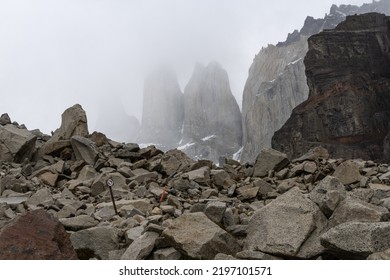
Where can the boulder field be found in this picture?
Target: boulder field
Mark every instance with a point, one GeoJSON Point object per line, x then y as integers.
{"type": "Point", "coordinates": [171, 207]}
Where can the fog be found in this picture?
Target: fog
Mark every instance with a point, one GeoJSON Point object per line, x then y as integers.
{"type": "Point", "coordinates": [55, 53]}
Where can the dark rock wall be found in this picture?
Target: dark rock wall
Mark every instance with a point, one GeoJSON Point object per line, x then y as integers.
{"type": "Point", "coordinates": [348, 109]}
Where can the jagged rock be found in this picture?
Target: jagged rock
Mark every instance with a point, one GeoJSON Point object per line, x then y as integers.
{"type": "Point", "coordinates": [347, 73]}
{"type": "Point", "coordinates": [61, 148]}
{"type": "Point", "coordinates": [215, 211]}
{"type": "Point", "coordinates": [10, 182]}
{"type": "Point", "coordinates": [264, 187]}
{"type": "Point", "coordinates": [79, 222]}
{"type": "Point", "coordinates": [289, 226]}
{"type": "Point", "coordinates": [269, 160]}
{"type": "Point", "coordinates": [5, 119]}
{"type": "Point", "coordinates": [49, 178]}
{"type": "Point", "coordinates": [141, 247]}
{"type": "Point", "coordinates": [73, 123]}
{"type": "Point", "coordinates": [174, 161]}
{"type": "Point", "coordinates": [212, 123]}
{"type": "Point", "coordinates": [134, 233]}
{"type": "Point", "coordinates": [201, 175]}
{"type": "Point", "coordinates": [99, 138]}
{"type": "Point", "coordinates": [355, 210]}
{"type": "Point", "coordinates": [328, 194]}
{"type": "Point", "coordinates": [379, 191]}
{"type": "Point", "coordinates": [35, 236]}
{"type": "Point", "coordinates": [247, 193]}
{"type": "Point", "coordinates": [348, 172]}
{"type": "Point", "coordinates": [84, 149]}
{"type": "Point", "coordinates": [368, 238]}
{"type": "Point", "coordinates": [42, 197]}
{"type": "Point", "coordinates": [95, 242]}
{"type": "Point", "coordinates": [196, 236]}
{"type": "Point", "coordinates": [16, 144]}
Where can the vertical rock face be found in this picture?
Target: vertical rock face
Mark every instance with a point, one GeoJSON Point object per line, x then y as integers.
{"type": "Point", "coordinates": [277, 81]}
{"type": "Point", "coordinates": [212, 123]}
{"type": "Point", "coordinates": [348, 109]}
{"type": "Point", "coordinates": [163, 110]}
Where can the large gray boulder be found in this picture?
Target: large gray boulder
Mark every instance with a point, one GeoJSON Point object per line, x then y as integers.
{"type": "Point", "coordinates": [288, 226]}
{"type": "Point", "coordinates": [269, 160]}
{"type": "Point", "coordinates": [328, 194]}
{"type": "Point", "coordinates": [357, 239]}
{"type": "Point", "coordinates": [348, 172]}
{"type": "Point", "coordinates": [356, 210]}
{"type": "Point", "coordinates": [84, 149]}
{"type": "Point", "coordinates": [16, 144]}
{"type": "Point", "coordinates": [196, 236]}
{"type": "Point", "coordinates": [141, 247]}
{"type": "Point", "coordinates": [95, 242]}
{"type": "Point", "coordinates": [74, 122]}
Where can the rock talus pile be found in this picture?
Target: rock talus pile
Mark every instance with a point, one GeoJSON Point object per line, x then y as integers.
{"type": "Point", "coordinates": [171, 207]}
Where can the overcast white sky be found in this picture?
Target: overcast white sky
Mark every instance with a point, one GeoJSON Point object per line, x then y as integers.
{"type": "Point", "coordinates": [55, 53]}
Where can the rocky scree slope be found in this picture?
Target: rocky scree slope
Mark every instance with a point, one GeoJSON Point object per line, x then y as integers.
{"type": "Point", "coordinates": [348, 109]}
{"type": "Point", "coordinates": [171, 207]}
{"type": "Point", "coordinates": [277, 80]}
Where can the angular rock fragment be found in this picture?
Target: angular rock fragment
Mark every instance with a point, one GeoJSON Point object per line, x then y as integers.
{"type": "Point", "coordinates": [141, 247]}
{"type": "Point", "coordinates": [16, 144]}
{"type": "Point", "coordinates": [35, 236]}
{"type": "Point", "coordinates": [269, 160]}
{"type": "Point", "coordinates": [196, 236]}
{"type": "Point", "coordinates": [348, 172]}
{"type": "Point", "coordinates": [357, 239]}
{"type": "Point", "coordinates": [95, 242]}
{"type": "Point", "coordinates": [355, 210]}
{"type": "Point", "coordinates": [288, 226]}
{"type": "Point", "coordinates": [328, 194]}
{"type": "Point", "coordinates": [84, 149]}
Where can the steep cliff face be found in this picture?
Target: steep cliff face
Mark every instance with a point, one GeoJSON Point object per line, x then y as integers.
{"type": "Point", "coordinates": [163, 110]}
{"type": "Point", "coordinates": [277, 81]}
{"type": "Point", "coordinates": [348, 109]}
{"type": "Point", "coordinates": [212, 123]}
